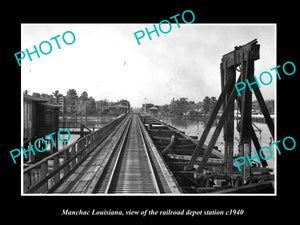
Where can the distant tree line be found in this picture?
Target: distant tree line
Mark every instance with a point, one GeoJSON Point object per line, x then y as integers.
{"type": "Point", "coordinates": [79, 105]}
{"type": "Point", "coordinates": [181, 106]}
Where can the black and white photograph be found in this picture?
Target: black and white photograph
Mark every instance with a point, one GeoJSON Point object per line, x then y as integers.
{"type": "Point", "coordinates": [108, 112]}
{"type": "Point", "coordinates": [162, 115]}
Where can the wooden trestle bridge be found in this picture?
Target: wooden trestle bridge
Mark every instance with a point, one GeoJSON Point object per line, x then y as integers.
{"type": "Point", "coordinates": [134, 154]}
{"type": "Point", "coordinates": [138, 154]}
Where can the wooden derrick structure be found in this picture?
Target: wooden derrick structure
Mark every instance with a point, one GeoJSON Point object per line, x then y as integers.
{"type": "Point", "coordinates": [242, 60]}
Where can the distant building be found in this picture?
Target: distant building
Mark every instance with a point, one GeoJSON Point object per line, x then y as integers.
{"type": "Point", "coordinates": [146, 107]}
{"type": "Point", "coordinates": [40, 117]}
{"type": "Point", "coordinates": [153, 110]}
{"type": "Point", "coordinates": [193, 113]}
{"type": "Point", "coordinates": [118, 109]}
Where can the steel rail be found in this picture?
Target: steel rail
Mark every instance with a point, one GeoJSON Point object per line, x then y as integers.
{"type": "Point", "coordinates": [133, 171]}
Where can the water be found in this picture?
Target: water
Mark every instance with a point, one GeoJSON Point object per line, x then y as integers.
{"type": "Point", "coordinates": [92, 121]}
{"type": "Point", "coordinates": [194, 127]}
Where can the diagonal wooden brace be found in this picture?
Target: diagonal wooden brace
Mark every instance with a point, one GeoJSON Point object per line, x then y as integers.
{"type": "Point", "coordinates": [254, 138]}
{"type": "Point", "coordinates": [257, 146]}
{"type": "Point", "coordinates": [211, 119]}
{"type": "Point", "coordinates": [264, 109]}
{"type": "Point", "coordinates": [217, 131]}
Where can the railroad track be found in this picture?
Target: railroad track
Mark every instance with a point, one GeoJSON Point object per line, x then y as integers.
{"type": "Point", "coordinates": [130, 169]}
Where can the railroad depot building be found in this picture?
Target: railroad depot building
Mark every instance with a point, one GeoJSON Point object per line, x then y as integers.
{"type": "Point", "coordinates": [118, 109]}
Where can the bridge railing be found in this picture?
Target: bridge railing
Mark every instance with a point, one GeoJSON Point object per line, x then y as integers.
{"type": "Point", "coordinates": [47, 173]}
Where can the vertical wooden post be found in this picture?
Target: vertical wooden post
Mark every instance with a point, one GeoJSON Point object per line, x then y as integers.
{"type": "Point", "coordinates": [51, 146]}
{"type": "Point", "coordinates": [79, 147]}
{"type": "Point", "coordinates": [44, 168]}
{"type": "Point", "coordinates": [56, 142]}
{"type": "Point", "coordinates": [247, 73]}
{"type": "Point", "coordinates": [223, 71]}
{"type": "Point", "coordinates": [30, 156]}
{"type": "Point", "coordinates": [55, 166]}
{"type": "Point", "coordinates": [26, 182]}
{"type": "Point", "coordinates": [222, 66]}
{"type": "Point", "coordinates": [81, 130]}
{"type": "Point", "coordinates": [73, 162]}
{"type": "Point", "coordinates": [229, 123]}
{"type": "Point", "coordinates": [65, 158]}
{"type": "Point", "coordinates": [64, 112]}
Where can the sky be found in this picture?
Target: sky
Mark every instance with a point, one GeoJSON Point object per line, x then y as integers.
{"type": "Point", "coordinates": [106, 61]}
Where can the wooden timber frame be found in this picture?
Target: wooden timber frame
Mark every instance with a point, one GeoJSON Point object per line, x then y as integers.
{"type": "Point", "coordinates": [242, 57]}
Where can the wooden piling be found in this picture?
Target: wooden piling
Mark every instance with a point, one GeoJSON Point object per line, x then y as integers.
{"type": "Point", "coordinates": [246, 118]}
{"type": "Point", "coordinates": [229, 122]}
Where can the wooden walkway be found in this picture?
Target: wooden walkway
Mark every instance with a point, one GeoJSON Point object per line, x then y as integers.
{"type": "Point", "coordinates": [84, 166]}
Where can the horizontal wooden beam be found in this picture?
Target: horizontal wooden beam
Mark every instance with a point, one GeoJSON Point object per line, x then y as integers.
{"type": "Point", "coordinates": [241, 53]}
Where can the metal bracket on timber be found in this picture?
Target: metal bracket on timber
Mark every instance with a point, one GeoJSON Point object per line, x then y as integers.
{"type": "Point", "coordinates": [242, 57]}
